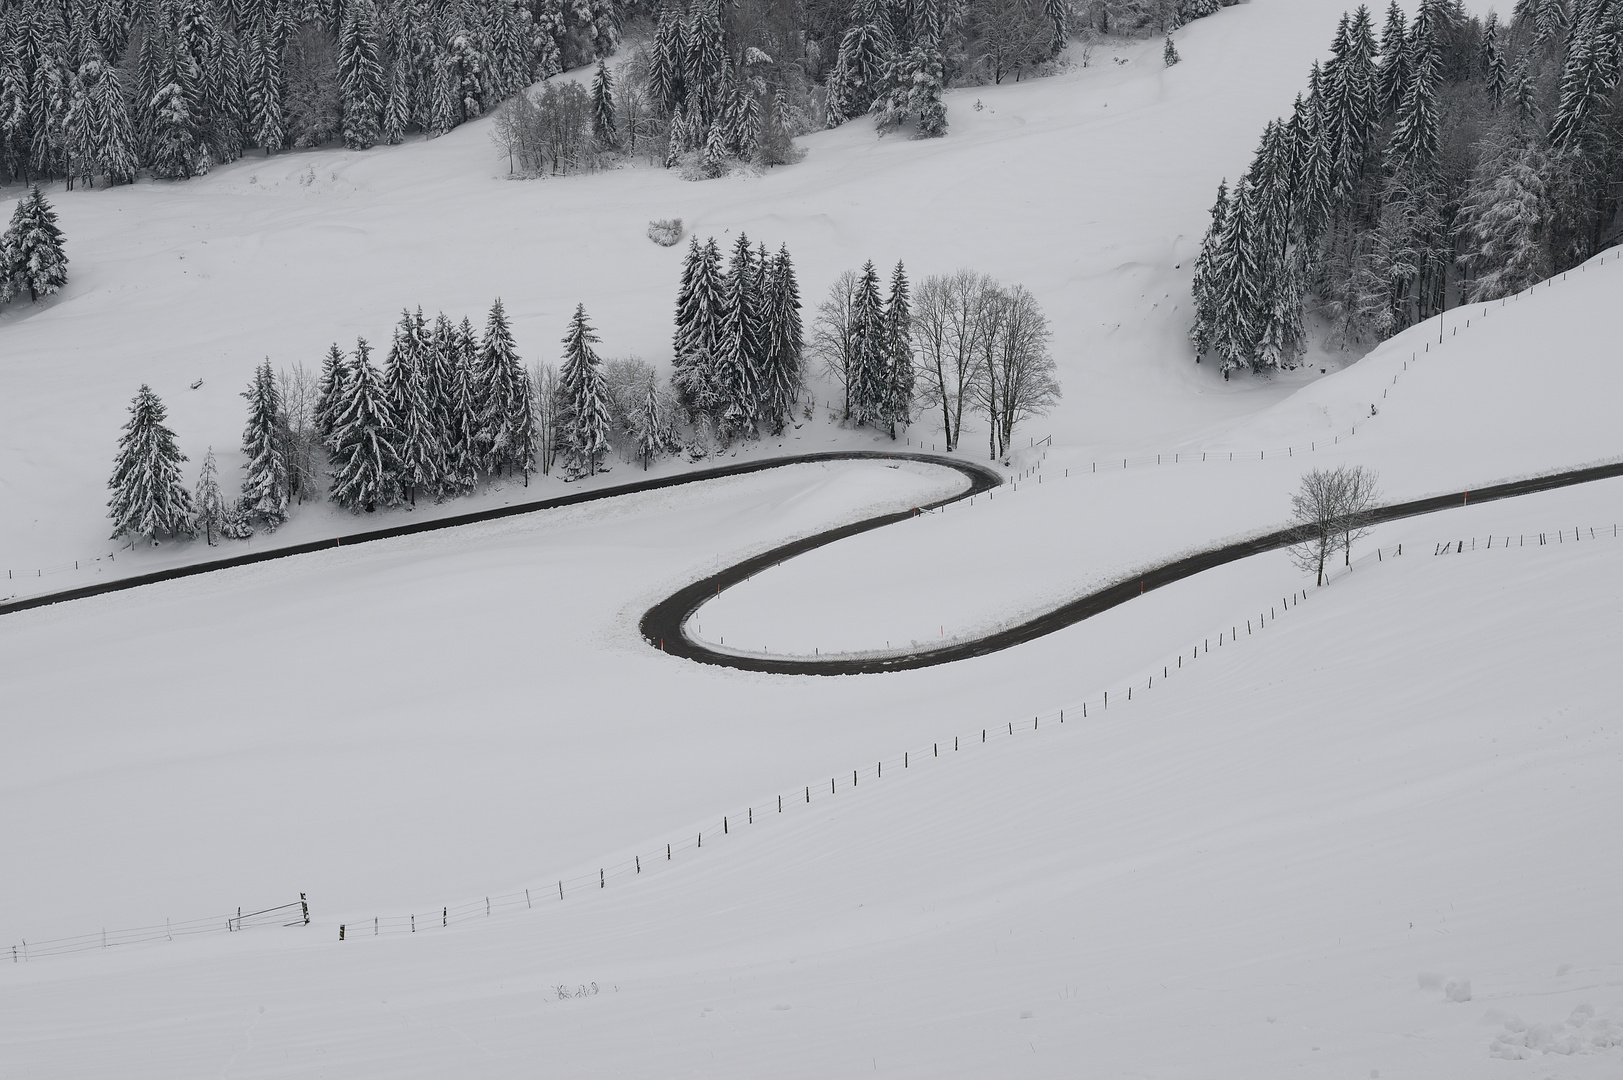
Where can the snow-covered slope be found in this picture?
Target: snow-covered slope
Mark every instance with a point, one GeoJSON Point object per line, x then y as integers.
{"type": "Point", "coordinates": [1287, 856]}
{"type": "Point", "coordinates": [1278, 858]}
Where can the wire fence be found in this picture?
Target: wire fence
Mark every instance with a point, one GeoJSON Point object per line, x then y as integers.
{"type": "Point", "coordinates": [294, 914]}
{"type": "Point", "coordinates": [817, 792]}
{"type": "Point", "coordinates": [1577, 535]}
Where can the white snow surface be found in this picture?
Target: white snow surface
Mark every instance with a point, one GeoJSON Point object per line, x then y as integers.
{"type": "Point", "coordinates": [1373, 834]}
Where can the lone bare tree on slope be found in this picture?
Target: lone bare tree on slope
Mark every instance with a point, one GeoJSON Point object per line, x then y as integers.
{"type": "Point", "coordinates": [1333, 508]}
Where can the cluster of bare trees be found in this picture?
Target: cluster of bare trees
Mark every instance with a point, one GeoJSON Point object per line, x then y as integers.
{"type": "Point", "coordinates": [982, 348]}
{"type": "Point", "coordinates": [1333, 507]}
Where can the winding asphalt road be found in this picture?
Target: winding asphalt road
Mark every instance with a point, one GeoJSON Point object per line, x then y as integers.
{"type": "Point", "coordinates": [662, 625]}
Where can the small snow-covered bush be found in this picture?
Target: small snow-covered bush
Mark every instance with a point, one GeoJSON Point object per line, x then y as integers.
{"type": "Point", "coordinates": [665, 232]}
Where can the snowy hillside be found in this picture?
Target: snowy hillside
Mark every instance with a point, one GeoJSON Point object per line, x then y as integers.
{"type": "Point", "coordinates": [1363, 830]}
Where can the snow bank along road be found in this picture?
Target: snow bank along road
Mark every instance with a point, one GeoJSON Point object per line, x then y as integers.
{"type": "Point", "coordinates": [664, 625]}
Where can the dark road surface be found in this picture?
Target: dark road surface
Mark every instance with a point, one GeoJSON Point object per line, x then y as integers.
{"type": "Point", "coordinates": [661, 625]}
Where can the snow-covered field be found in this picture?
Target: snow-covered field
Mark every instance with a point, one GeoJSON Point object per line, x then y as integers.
{"type": "Point", "coordinates": [1376, 837]}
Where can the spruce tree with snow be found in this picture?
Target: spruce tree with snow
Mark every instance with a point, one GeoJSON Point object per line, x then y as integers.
{"type": "Point", "coordinates": [1415, 137]}
{"type": "Point", "coordinates": [360, 75]}
{"type": "Point", "coordinates": [740, 344]}
{"type": "Point", "coordinates": [1204, 288]}
{"type": "Point", "coordinates": [898, 354]}
{"type": "Point", "coordinates": [604, 124]}
{"type": "Point", "coordinates": [866, 49]}
{"type": "Point", "coordinates": [330, 393]}
{"type": "Point", "coordinates": [507, 427]}
{"type": "Point", "coordinates": [265, 90]}
{"type": "Point", "coordinates": [463, 409]}
{"type": "Point", "coordinates": [704, 70]}
{"type": "Point", "coordinates": [584, 425]}
{"type": "Point", "coordinates": [1392, 78]}
{"type": "Point", "coordinates": [913, 84]}
{"type": "Point", "coordinates": [1587, 85]}
{"type": "Point", "coordinates": [264, 447]}
{"type": "Point", "coordinates": [210, 503]}
{"type": "Point", "coordinates": [1059, 17]}
{"type": "Point", "coordinates": [870, 375]}
{"type": "Point", "coordinates": [666, 61]}
{"type": "Point", "coordinates": [32, 258]}
{"type": "Point", "coordinates": [112, 131]}
{"type": "Point", "coordinates": [413, 401]}
{"type": "Point", "coordinates": [782, 343]}
{"type": "Point", "coordinates": [699, 304]}
{"type": "Point", "coordinates": [366, 456]}
{"type": "Point", "coordinates": [175, 146]}
{"type": "Point", "coordinates": [1506, 215]}
{"type": "Point", "coordinates": [653, 431]}
{"type": "Point", "coordinates": [149, 497]}
{"type": "Point", "coordinates": [1169, 55]}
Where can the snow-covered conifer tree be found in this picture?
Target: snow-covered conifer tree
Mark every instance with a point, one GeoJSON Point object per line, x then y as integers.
{"type": "Point", "coordinates": [1392, 78]}
{"type": "Point", "coordinates": [32, 258]}
{"type": "Point", "coordinates": [265, 90]}
{"type": "Point", "coordinates": [366, 456]}
{"type": "Point", "coordinates": [698, 322]}
{"type": "Point", "coordinates": [264, 447]}
{"type": "Point", "coordinates": [740, 343]}
{"type": "Point", "coordinates": [1205, 285]}
{"type": "Point", "coordinates": [113, 132]}
{"type": "Point", "coordinates": [463, 409]}
{"type": "Point", "coordinates": [407, 376]}
{"type": "Point", "coordinates": [149, 497]}
{"type": "Point", "coordinates": [653, 432]}
{"type": "Point", "coordinates": [783, 337]}
{"type": "Point", "coordinates": [866, 49]}
{"type": "Point", "coordinates": [330, 393]}
{"type": "Point", "coordinates": [604, 124]}
{"type": "Point", "coordinates": [1169, 54]}
{"type": "Point", "coordinates": [507, 425]}
{"type": "Point", "coordinates": [584, 425]}
{"type": "Point", "coordinates": [869, 361]}
{"type": "Point", "coordinates": [209, 502]}
{"type": "Point", "coordinates": [360, 75]}
{"type": "Point", "coordinates": [898, 353]}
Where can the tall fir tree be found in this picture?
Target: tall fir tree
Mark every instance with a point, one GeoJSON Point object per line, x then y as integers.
{"type": "Point", "coordinates": [699, 304]}
{"type": "Point", "coordinates": [406, 376]}
{"type": "Point", "coordinates": [740, 340]}
{"type": "Point", "coordinates": [463, 409]}
{"type": "Point", "coordinates": [366, 455]}
{"type": "Point", "coordinates": [898, 354]}
{"type": "Point", "coordinates": [869, 373]}
{"type": "Point", "coordinates": [149, 497]}
{"type": "Point", "coordinates": [360, 75]}
{"type": "Point", "coordinates": [208, 501]}
{"type": "Point", "coordinates": [781, 371]}
{"type": "Point", "coordinates": [1205, 286]}
{"type": "Point", "coordinates": [32, 255]}
{"type": "Point", "coordinates": [508, 424]}
{"type": "Point", "coordinates": [604, 124]}
{"type": "Point", "coordinates": [266, 485]}
{"type": "Point", "coordinates": [584, 428]}
{"type": "Point", "coordinates": [331, 390]}
{"type": "Point", "coordinates": [265, 116]}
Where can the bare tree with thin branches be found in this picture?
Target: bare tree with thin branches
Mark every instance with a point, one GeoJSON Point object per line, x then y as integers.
{"type": "Point", "coordinates": [947, 326]}
{"type": "Point", "coordinates": [834, 339]}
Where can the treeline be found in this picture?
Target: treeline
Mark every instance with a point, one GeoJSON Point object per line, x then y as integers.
{"type": "Point", "coordinates": [107, 88]}
{"type": "Point", "coordinates": [713, 84]}
{"type": "Point", "coordinates": [1446, 160]}
{"type": "Point", "coordinates": [450, 409]}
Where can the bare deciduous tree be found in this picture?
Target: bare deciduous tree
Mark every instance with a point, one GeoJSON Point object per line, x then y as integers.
{"type": "Point", "coordinates": [544, 401]}
{"type": "Point", "coordinates": [947, 326]}
{"type": "Point", "coordinates": [1359, 492]}
{"type": "Point", "coordinates": [1332, 506]}
{"type": "Point", "coordinates": [300, 391]}
{"type": "Point", "coordinates": [1017, 378]}
{"type": "Point", "coordinates": [833, 338]}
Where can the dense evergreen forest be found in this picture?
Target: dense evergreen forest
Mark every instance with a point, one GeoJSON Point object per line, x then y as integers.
{"type": "Point", "coordinates": [106, 90]}
{"type": "Point", "coordinates": [1445, 160]}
